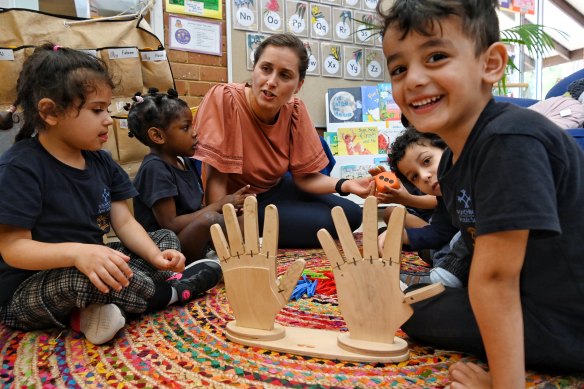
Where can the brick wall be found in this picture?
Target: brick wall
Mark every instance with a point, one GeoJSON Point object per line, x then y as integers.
{"type": "Point", "coordinates": [194, 74]}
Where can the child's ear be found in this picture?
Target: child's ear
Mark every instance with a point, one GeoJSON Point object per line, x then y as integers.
{"type": "Point", "coordinates": [496, 58]}
{"type": "Point", "coordinates": [48, 111]}
{"type": "Point", "coordinates": [156, 135]}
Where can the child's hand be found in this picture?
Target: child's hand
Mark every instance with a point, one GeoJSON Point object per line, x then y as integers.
{"type": "Point", "coordinates": [362, 186]}
{"type": "Point", "coordinates": [376, 170]}
{"type": "Point", "coordinates": [169, 259]}
{"type": "Point", "coordinates": [236, 198]}
{"type": "Point", "coordinates": [398, 196]}
{"type": "Point", "coordinates": [105, 267]}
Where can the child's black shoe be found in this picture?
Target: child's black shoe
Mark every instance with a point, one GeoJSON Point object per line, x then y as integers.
{"type": "Point", "coordinates": [197, 278]}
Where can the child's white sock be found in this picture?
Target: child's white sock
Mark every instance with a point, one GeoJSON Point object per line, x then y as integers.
{"type": "Point", "coordinates": [101, 322]}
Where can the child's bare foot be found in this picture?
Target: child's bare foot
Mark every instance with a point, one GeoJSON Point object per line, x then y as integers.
{"type": "Point", "coordinates": [468, 375]}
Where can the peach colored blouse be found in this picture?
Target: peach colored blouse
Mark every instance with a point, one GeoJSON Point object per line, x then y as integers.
{"type": "Point", "coordinates": [233, 140]}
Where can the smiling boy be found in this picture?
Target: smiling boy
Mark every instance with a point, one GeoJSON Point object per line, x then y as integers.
{"type": "Point", "coordinates": [512, 182]}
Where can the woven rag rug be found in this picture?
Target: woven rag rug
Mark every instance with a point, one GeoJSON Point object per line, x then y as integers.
{"type": "Point", "coordinates": [184, 347]}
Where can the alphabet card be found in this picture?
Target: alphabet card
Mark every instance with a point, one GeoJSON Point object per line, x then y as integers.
{"type": "Point", "coordinates": [297, 17]}
{"type": "Point", "coordinates": [245, 15]}
{"type": "Point", "coordinates": [353, 62]}
{"type": "Point", "coordinates": [374, 64]}
{"type": "Point", "coordinates": [272, 16]}
{"type": "Point", "coordinates": [332, 62]}
{"type": "Point", "coordinates": [364, 28]}
{"type": "Point", "coordinates": [343, 25]}
{"type": "Point", "coordinates": [313, 50]}
{"type": "Point", "coordinates": [252, 41]}
{"type": "Point", "coordinates": [320, 20]}
{"type": "Point", "coordinates": [352, 3]}
{"type": "Point", "coordinates": [369, 5]}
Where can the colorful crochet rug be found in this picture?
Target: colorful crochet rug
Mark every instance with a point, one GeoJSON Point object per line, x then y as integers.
{"type": "Point", "coordinates": [184, 347]}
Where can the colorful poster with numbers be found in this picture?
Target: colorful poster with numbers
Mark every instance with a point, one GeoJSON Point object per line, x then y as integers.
{"type": "Point", "coordinates": [365, 30]}
{"type": "Point", "coordinates": [332, 60]}
{"type": "Point", "coordinates": [314, 60]}
{"type": "Point", "coordinates": [244, 15]}
{"type": "Point", "coordinates": [343, 25]}
{"type": "Point", "coordinates": [374, 64]}
{"type": "Point", "coordinates": [353, 62]}
{"type": "Point", "coordinates": [297, 17]}
{"type": "Point", "coordinates": [252, 42]}
{"type": "Point", "coordinates": [272, 16]}
{"type": "Point", "coordinates": [357, 140]}
{"type": "Point", "coordinates": [320, 21]}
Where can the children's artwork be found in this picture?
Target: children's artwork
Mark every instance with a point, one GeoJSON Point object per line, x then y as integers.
{"type": "Point", "coordinates": [272, 16]}
{"type": "Point", "coordinates": [320, 20]}
{"type": "Point", "coordinates": [252, 42]}
{"type": "Point", "coordinates": [370, 99]}
{"type": "Point", "coordinates": [332, 140]}
{"type": "Point", "coordinates": [314, 60]}
{"type": "Point", "coordinates": [357, 140]}
{"type": "Point", "coordinates": [343, 25]}
{"type": "Point", "coordinates": [363, 27]}
{"type": "Point", "coordinates": [313, 50]}
{"type": "Point", "coordinates": [331, 60]}
{"type": "Point", "coordinates": [355, 171]}
{"type": "Point", "coordinates": [374, 64]}
{"type": "Point", "coordinates": [297, 17]}
{"type": "Point", "coordinates": [353, 62]}
{"type": "Point", "coordinates": [388, 109]}
{"type": "Point", "coordinates": [245, 15]}
{"type": "Point", "coordinates": [344, 105]}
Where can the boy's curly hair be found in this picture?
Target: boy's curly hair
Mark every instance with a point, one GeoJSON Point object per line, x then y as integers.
{"type": "Point", "coordinates": [408, 137]}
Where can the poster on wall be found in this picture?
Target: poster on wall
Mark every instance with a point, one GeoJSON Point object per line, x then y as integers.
{"type": "Point", "coordinates": [332, 61]}
{"type": "Point", "coordinates": [252, 42]}
{"type": "Point", "coordinates": [245, 15]}
{"type": "Point", "coordinates": [363, 23]}
{"type": "Point", "coordinates": [320, 20]}
{"type": "Point", "coordinates": [313, 50]}
{"type": "Point", "coordinates": [521, 6]}
{"type": "Point", "coordinates": [374, 64]}
{"type": "Point", "coordinates": [188, 34]}
{"type": "Point", "coordinates": [343, 25]}
{"type": "Point", "coordinates": [353, 61]}
{"type": "Point", "coordinates": [297, 17]}
{"type": "Point", "coordinates": [205, 8]}
{"type": "Point", "coordinates": [272, 16]}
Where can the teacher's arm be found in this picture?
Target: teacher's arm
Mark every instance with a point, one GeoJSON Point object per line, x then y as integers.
{"type": "Point", "coordinates": [319, 183]}
{"type": "Point", "coordinates": [215, 184]}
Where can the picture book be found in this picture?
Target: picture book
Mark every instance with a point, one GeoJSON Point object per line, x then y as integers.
{"type": "Point", "coordinates": [357, 140]}
{"type": "Point", "coordinates": [355, 171]}
{"type": "Point", "coordinates": [388, 109]}
{"type": "Point", "coordinates": [381, 161]}
{"type": "Point", "coordinates": [370, 96]}
{"type": "Point", "coordinates": [344, 105]}
{"type": "Point", "coordinates": [331, 139]}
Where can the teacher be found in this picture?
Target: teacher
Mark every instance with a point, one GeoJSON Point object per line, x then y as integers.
{"type": "Point", "coordinates": [255, 134]}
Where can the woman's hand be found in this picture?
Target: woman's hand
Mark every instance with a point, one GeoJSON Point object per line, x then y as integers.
{"type": "Point", "coordinates": [236, 198]}
{"type": "Point", "coordinates": [362, 186]}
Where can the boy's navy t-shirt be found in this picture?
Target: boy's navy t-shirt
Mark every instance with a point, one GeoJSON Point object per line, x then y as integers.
{"type": "Point", "coordinates": [519, 171]}
{"type": "Point", "coordinates": [56, 202]}
{"type": "Point", "coordinates": [158, 180]}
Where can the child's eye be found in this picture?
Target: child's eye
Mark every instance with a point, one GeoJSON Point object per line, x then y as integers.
{"type": "Point", "coordinates": [413, 178]}
{"type": "Point", "coordinates": [436, 57]}
{"type": "Point", "coordinates": [397, 71]}
{"type": "Point", "coordinates": [427, 161]}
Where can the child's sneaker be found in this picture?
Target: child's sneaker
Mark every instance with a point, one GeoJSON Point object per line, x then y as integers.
{"type": "Point", "coordinates": [197, 278]}
{"type": "Point", "coordinates": [101, 322]}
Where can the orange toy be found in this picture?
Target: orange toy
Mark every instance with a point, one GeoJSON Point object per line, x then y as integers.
{"type": "Point", "coordinates": [386, 180]}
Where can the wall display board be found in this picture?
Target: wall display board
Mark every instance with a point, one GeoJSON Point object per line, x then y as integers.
{"type": "Point", "coordinates": [343, 49]}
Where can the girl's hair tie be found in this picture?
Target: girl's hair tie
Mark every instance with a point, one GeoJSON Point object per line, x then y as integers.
{"type": "Point", "coordinates": [139, 99]}
{"type": "Point", "coordinates": [12, 109]}
{"type": "Point", "coordinates": [56, 47]}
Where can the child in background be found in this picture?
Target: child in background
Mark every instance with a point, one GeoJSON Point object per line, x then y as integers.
{"type": "Point", "coordinates": [60, 195]}
{"type": "Point", "coordinates": [414, 158]}
{"type": "Point", "coordinates": [512, 182]}
{"type": "Point", "coordinates": [169, 186]}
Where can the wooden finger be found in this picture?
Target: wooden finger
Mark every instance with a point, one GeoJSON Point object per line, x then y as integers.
{"type": "Point", "coordinates": [233, 230]}
{"type": "Point", "coordinates": [290, 279]}
{"type": "Point", "coordinates": [393, 238]}
{"type": "Point", "coordinates": [423, 293]}
{"type": "Point", "coordinates": [330, 248]}
{"type": "Point", "coordinates": [220, 243]}
{"type": "Point", "coordinates": [250, 225]}
{"type": "Point", "coordinates": [370, 250]}
{"type": "Point", "coordinates": [271, 229]}
{"type": "Point", "coordinates": [346, 235]}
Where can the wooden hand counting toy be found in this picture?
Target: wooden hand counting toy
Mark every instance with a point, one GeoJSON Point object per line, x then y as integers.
{"type": "Point", "coordinates": [386, 180]}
